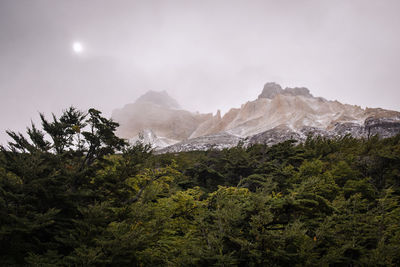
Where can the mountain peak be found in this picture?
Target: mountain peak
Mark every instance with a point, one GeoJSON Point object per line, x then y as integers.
{"type": "Point", "coordinates": [272, 89]}
{"type": "Point", "coordinates": [161, 98]}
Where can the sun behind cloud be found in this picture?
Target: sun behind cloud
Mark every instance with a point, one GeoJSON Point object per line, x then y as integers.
{"type": "Point", "coordinates": [77, 47]}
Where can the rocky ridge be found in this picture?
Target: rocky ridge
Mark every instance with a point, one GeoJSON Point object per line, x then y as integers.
{"type": "Point", "coordinates": [276, 115]}
{"type": "Point", "coordinates": [270, 90]}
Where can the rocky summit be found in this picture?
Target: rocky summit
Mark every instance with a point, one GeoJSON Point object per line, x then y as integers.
{"type": "Point", "coordinates": [276, 115]}
{"type": "Point", "coordinates": [270, 90]}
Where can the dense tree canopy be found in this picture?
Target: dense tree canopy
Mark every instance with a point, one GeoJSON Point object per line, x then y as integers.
{"type": "Point", "coordinates": [74, 194]}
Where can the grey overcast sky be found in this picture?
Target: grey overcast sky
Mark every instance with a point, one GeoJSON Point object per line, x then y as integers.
{"type": "Point", "coordinates": [208, 55]}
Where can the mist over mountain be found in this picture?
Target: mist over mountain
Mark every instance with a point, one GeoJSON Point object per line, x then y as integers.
{"type": "Point", "coordinates": [159, 98]}
{"type": "Point", "coordinates": [158, 114]}
{"type": "Point", "coordinates": [276, 115]}
{"type": "Point", "coordinates": [272, 89]}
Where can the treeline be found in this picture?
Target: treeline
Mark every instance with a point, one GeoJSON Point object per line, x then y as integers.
{"type": "Point", "coordinates": [74, 194]}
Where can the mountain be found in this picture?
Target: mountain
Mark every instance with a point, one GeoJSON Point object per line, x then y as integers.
{"type": "Point", "coordinates": [157, 118]}
{"type": "Point", "coordinates": [276, 115]}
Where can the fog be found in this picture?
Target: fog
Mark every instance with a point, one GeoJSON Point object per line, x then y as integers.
{"type": "Point", "coordinates": [208, 55]}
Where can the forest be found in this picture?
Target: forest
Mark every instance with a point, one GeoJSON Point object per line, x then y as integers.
{"type": "Point", "coordinates": [74, 194]}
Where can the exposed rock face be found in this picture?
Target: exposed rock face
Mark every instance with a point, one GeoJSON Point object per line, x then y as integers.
{"type": "Point", "coordinates": [297, 91]}
{"type": "Point", "coordinates": [277, 115]}
{"type": "Point", "coordinates": [271, 90]}
{"type": "Point", "coordinates": [274, 136]}
{"type": "Point", "coordinates": [384, 127]}
{"type": "Point", "coordinates": [147, 136]}
{"type": "Point", "coordinates": [209, 126]}
{"type": "Point", "coordinates": [291, 111]}
{"type": "Point", "coordinates": [381, 127]}
{"type": "Point", "coordinates": [342, 129]}
{"type": "Point", "coordinates": [217, 141]}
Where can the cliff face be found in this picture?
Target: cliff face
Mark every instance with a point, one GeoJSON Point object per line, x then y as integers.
{"type": "Point", "coordinates": [296, 110]}
{"type": "Point", "coordinates": [277, 115]}
{"type": "Point", "coordinates": [291, 111]}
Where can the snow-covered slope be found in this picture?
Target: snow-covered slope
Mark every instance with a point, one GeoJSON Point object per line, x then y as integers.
{"type": "Point", "coordinates": [147, 136]}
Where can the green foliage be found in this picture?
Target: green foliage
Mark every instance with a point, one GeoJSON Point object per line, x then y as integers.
{"type": "Point", "coordinates": [74, 194]}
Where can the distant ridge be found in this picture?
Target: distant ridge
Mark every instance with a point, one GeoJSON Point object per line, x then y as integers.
{"type": "Point", "coordinates": [276, 115]}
